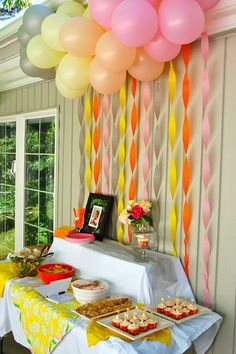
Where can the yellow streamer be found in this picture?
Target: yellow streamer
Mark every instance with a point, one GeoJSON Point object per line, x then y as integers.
{"type": "Point", "coordinates": [122, 125]}
{"type": "Point", "coordinates": [121, 182]}
{"type": "Point", "coordinates": [122, 98]}
{"type": "Point", "coordinates": [120, 233]}
{"type": "Point", "coordinates": [87, 110]}
{"type": "Point", "coordinates": [172, 130]}
{"type": "Point", "coordinates": [88, 145]}
{"type": "Point", "coordinates": [172, 178]}
{"type": "Point", "coordinates": [122, 154]}
{"type": "Point", "coordinates": [88, 177]}
{"type": "Point", "coordinates": [172, 83]}
{"type": "Point", "coordinates": [173, 226]}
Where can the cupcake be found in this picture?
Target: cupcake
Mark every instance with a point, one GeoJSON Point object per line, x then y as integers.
{"type": "Point", "coordinates": [152, 323]}
{"type": "Point", "coordinates": [143, 326]}
{"type": "Point", "coordinates": [133, 329]}
{"type": "Point", "coordinates": [177, 314]}
{"type": "Point", "coordinates": [116, 321]}
{"type": "Point", "coordinates": [186, 312]}
{"type": "Point", "coordinates": [167, 311]}
{"type": "Point", "coordinates": [192, 308]}
{"type": "Point", "coordinates": [143, 317]}
{"type": "Point", "coordinates": [124, 325]}
{"type": "Point", "coordinates": [170, 302]}
{"type": "Point", "coordinates": [161, 307]}
{"type": "Point", "coordinates": [184, 303]}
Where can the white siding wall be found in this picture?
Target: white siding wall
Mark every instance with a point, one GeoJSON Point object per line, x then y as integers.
{"type": "Point", "coordinates": [222, 148]}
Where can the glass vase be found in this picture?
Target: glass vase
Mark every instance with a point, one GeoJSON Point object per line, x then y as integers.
{"type": "Point", "coordinates": [143, 238]}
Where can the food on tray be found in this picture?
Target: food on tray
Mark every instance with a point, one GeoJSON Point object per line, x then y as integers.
{"type": "Point", "coordinates": [177, 309]}
{"type": "Point", "coordinates": [135, 322]}
{"type": "Point", "coordinates": [90, 285]}
{"type": "Point", "coordinates": [55, 269]}
{"type": "Point", "coordinates": [104, 306]}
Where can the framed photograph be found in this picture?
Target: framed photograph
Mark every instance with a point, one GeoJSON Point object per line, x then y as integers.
{"type": "Point", "coordinates": [97, 211]}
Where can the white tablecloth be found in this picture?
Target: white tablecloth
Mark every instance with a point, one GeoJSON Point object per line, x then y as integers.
{"type": "Point", "coordinates": [143, 282]}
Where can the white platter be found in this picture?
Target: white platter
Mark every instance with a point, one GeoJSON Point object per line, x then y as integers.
{"type": "Point", "coordinates": [201, 311]}
{"type": "Point", "coordinates": [161, 324]}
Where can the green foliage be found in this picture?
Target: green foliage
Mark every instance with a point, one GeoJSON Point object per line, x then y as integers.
{"type": "Point", "coordinates": [9, 5]}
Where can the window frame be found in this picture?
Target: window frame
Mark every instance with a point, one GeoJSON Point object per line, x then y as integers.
{"type": "Point", "coordinates": [20, 120]}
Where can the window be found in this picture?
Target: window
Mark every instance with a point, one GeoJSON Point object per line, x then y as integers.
{"type": "Point", "coordinates": [27, 180]}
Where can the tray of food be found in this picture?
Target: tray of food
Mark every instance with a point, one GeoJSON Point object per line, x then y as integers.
{"type": "Point", "coordinates": [135, 324]}
{"type": "Point", "coordinates": [103, 307]}
{"type": "Point", "coordinates": [178, 310]}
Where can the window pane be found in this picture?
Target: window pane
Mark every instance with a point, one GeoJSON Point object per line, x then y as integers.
{"type": "Point", "coordinates": [31, 207]}
{"type": "Point", "coordinates": [2, 167]}
{"type": "Point", "coordinates": [46, 207]}
{"type": "Point", "coordinates": [31, 171]}
{"type": "Point", "coordinates": [47, 173]}
{"type": "Point", "coordinates": [31, 235]}
{"type": "Point", "coordinates": [10, 169]}
{"type": "Point", "coordinates": [10, 137]}
{"type": "Point", "coordinates": [47, 136]}
{"type": "Point", "coordinates": [32, 136]}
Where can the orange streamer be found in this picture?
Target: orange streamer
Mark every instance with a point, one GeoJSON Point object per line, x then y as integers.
{"type": "Point", "coordinates": [185, 90]}
{"type": "Point", "coordinates": [186, 176]}
{"type": "Point", "coordinates": [132, 156]}
{"type": "Point", "coordinates": [132, 189]}
{"type": "Point", "coordinates": [133, 87]}
{"type": "Point", "coordinates": [134, 118]}
{"type": "Point", "coordinates": [96, 138]}
{"type": "Point", "coordinates": [186, 133]}
{"type": "Point", "coordinates": [96, 170]}
{"type": "Point", "coordinates": [95, 107]}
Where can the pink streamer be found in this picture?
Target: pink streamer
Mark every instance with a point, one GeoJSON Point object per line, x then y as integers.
{"type": "Point", "coordinates": [205, 47]}
{"type": "Point", "coordinates": [206, 171]}
{"type": "Point", "coordinates": [205, 130]}
{"type": "Point", "coordinates": [105, 135]}
{"type": "Point", "coordinates": [105, 163]}
{"type": "Point", "coordinates": [205, 88]}
{"type": "Point", "coordinates": [146, 95]}
{"type": "Point", "coordinates": [146, 131]}
{"type": "Point", "coordinates": [146, 166]}
{"type": "Point", "coordinates": [206, 249]}
{"type": "Point", "coordinates": [146, 137]}
{"type": "Point", "coordinates": [206, 211]}
{"type": "Point", "coordinates": [145, 193]}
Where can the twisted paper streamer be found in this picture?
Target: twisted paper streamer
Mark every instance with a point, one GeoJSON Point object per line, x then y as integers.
{"type": "Point", "coordinates": [122, 153]}
{"type": "Point", "coordinates": [133, 148]}
{"type": "Point", "coordinates": [206, 170]}
{"type": "Point", "coordinates": [105, 135]}
{"type": "Point", "coordinates": [96, 142]}
{"type": "Point", "coordinates": [146, 138]}
{"type": "Point", "coordinates": [82, 184]}
{"type": "Point", "coordinates": [172, 165]}
{"type": "Point", "coordinates": [186, 168]}
{"type": "Point", "coordinates": [88, 143]}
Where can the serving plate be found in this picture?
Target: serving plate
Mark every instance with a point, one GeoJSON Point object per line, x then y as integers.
{"type": "Point", "coordinates": [161, 324]}
{"type": "Point", "coordinates": [201, 311]}
{"type": "Point", "coordinates": [80, 238]}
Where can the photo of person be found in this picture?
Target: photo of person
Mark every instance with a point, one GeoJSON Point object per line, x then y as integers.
{"type": "Point", "coordinates": [95, 216]}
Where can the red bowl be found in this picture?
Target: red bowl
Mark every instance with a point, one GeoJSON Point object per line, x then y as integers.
{"type": "Point", "coordinates": [57, 271]}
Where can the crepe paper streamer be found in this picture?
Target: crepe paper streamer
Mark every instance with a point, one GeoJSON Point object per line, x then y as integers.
{"type": "Point", "coordinates": [88, 144]}
{"type": "Point", "coordinates": [205, 130]}
{"type": "Point", "coordinates": [146, 137]}
{"type": "Point", "coordinates": [133, 148]}
{"type": "Point", "coordinates": [172, 165]}
{"type": "Point", "coordinates": [186, 218]}
{"type": "Point", "coordinates": [122, 156]}
{"type": "Point", "coordinates": [105, 136]}
{"type": "Point", "coordinates": [206, 169]}
{"type": "Point", "coordinates": [96, 142]}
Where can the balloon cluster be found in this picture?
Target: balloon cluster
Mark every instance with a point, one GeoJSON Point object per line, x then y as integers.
{"type": "Point", "coordinates": [100, 44]}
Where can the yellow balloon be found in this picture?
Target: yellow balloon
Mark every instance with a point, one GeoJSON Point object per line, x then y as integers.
{"type": "Point", "coordinates": [74, 71]}
{"type": "Point", "coordinates": [41, 55]}
{"type": "Point", "coordinates": [71, 8]}
{"type": "Point", "coordinates": [50, 30]}
{"type": "Point", "coordinates": [66, 91]}
{"type": "Point", "coordinates": [87, 14]}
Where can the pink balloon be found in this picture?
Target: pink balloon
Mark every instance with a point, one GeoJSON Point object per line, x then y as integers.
{"type": "Point", "coordinates": [161, 49]}
{"type": "Point", "coordinates": [145, 68]}
{"type": "Point", "coordinates": [207, 4]}
{"type": "Point", "coordinates": [181, 21]}
{"type": "Point", "coordinates": [153, 2]}
{"type": "Point", "coordinates": [134, 23]}
{"type": "Point", "coordinates": [102, 10]}
{"type": "Point", "coordinates": [104, 81]}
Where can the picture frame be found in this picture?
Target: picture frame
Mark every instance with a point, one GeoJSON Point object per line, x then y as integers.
{"type": "Point", "coordinates": [97, 211]}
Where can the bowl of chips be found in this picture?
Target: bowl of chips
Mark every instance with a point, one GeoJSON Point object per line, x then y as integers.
{"type": "Point", "coordinates": [25, 262]}
{"type": "Point", "coordinates": [55, 271]}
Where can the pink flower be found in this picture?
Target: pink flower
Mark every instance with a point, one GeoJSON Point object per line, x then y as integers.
{"type": "Point", "coordinates": [136, 212]}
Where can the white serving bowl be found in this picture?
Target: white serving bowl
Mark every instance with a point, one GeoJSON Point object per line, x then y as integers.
{"type": "Point", "coordinates": [89, 295]}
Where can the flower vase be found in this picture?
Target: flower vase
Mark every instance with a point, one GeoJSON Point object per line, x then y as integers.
{"type": "Point", "coordinates": [143, 238]}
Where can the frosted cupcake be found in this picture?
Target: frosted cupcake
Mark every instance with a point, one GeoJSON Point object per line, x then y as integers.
{"type": "Point", "coordinates": [152, 323]}
{"type": "Point", "coordinates": [143, 326]}
{"type": "Point", "coordinates": [192, 308]}
{"type": "Point", "coordinates": [124, 325]}
{"type": "Point", "coordinates": [116, 321]}
{"type": "Point", "coordinates": [177, 314]}
{"type": "Point", "coordinates": [161, 306]}
{"type": "Point", "coordinates": [133, 329]}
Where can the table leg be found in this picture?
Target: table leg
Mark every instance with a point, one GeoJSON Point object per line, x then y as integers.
{"type": "Point", "coordinates": [1, 345]}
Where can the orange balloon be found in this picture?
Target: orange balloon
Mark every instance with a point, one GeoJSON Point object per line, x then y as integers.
{"type": "Point", "coordinates": [144, 68]}
{"type": "Point", "coordinates": [112, 54]}
{"type": "Point", "coordinates": [104, 81]}
{"type": "Point", "coordinates": [79, 36]}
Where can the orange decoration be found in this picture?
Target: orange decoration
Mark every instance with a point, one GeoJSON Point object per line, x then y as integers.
{"type": "Point", "coordinates": [186, 53]}
{"type": "Point", "coordinates": [133, 87]}
{"type": "Point", "coordinates": [96, 170]}
{"type": "Point", "coordinates": [186, 176]}
{"type": "Point", "coordinates": [185, 90]}
{"type": "Point", "coordinates": [95, 107]}
{"type": "Point", "coordinates": [96, 138]}
{"type": "Point", "coordinates": [186, 133]}
{"type": "Point", "coordinates": [134, 118]}
{"type": "Point", "coordinates": [132, 189]}
{"type": "Point", "coordinates": [186, 218]}
{"type": "Point", "coordinates": [132, 156]}
{"type": "Point", "coordinates": [129, 232]}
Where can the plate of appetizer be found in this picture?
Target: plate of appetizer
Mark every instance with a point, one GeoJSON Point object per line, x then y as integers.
{"type": "Point", "coordinates": [135, 324]}
{"type": "Point", "coordinates": [178, 310]}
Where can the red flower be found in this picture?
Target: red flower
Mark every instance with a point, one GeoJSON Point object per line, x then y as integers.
{"type": "Point", "coordinates": [137, 211]}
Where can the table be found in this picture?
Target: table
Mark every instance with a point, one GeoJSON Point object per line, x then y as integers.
{"type": "Point", "coordinates": [96, 260]}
